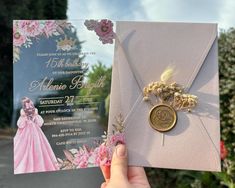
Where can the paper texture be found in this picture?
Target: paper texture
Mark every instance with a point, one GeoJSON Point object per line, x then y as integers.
{"type": "Point", "coordinates": [142, 52]}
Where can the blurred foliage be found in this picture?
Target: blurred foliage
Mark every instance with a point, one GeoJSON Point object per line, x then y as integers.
{"type": "Point", "coordinates": [19, 9]}
{"type": "Point", "coordinates": [227, 103]}
{"type": "Point", "coordinates": [227, 87]}
{"type": "Point", "coordinates": [96, 72]}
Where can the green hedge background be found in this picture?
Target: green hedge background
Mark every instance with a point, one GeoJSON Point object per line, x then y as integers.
{"type": "Point", "coordinates": [159, 178]}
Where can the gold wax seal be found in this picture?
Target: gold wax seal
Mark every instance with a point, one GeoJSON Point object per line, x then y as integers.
{"type": "Point", "coordinates": [162, 117]}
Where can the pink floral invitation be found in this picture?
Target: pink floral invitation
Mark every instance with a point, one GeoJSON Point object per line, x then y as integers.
{"type": "Point", "coordinates": [62, 83]}
{"type": "Point", "coordinates": [152, 86]}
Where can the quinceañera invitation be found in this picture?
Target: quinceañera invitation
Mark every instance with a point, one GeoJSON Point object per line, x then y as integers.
{"type": "Point", "coordinates": [164, 95]}
{"type": "Point", "coordinates": [164, 100]}
{"type": "Point", "coordinates": [62, 77]}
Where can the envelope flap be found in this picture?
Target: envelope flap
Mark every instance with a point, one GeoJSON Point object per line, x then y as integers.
{"type": "Point", "coordinates": [181, 45]}
{"type": "Point", "coordinates": [142, 52]}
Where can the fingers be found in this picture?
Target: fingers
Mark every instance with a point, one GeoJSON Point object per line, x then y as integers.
{"type": "Point", "coordinates": [119, 163]}
{"type": "Point", "coordinates": [103, 185]}
{"type": "Point", "coordinates": [106, 172]}
{"type": "Point", "coordinates": [138, 175]}
{"type": "Point", "coordinates": [136, 172]}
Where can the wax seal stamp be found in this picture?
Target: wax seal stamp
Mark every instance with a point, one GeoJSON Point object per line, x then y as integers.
{"type": "Point", "coordinates": [162, 117]}
{"type": "Point", "coordinates": [171, 97]}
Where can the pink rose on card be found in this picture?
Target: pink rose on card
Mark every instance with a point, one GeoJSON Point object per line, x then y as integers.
{"type": "Point", "coordinates": [82, 158]}
{"type": "Point", "coordinates": [104, 30]}
{"type": "Point", "coordinates": [102, 155]}
{"type": "Point", "coordinates": [18, 39]}
{"type": "Point", "coordinates": [117, 138]}
{"type": "Point", "coordinates": [29, 28]}
{"type": "Point", "coordinates": [49, 27]}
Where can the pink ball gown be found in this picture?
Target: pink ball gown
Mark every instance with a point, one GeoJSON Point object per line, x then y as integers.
{"type": "Point", "coordinates": [32, 151]}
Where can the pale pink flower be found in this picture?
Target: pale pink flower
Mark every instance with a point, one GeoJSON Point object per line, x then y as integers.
{"type": "Point", "coordinates": [69, 156]}
{"type": "Point", "coordinates": [18, 39]}
{"type": "Point", "coordinates": [107, 38]}
{"type": "Point", "coordinates": [49, 27]}
{"type": "Point", "coordinates": [29, 28]}
{"type": "Point", "coordinates": [102, 155]}
{"type": "Point", "coordinates": [117, 138]}
{"type": "Point", "coordinates": [104, 29]}
{"type": "Point", "coordinates": [81, 159]}
{"type": "Point", "coordinates": [91, 24]}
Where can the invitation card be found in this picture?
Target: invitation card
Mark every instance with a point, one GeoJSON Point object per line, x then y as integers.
{"type": "Point", "coordinates": [165, 94]}
{"type": "Point", "coordinates": [61, 92]}
{"type": "Point", "coordinates": [163, 103]}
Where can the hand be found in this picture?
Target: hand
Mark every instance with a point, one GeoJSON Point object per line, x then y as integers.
{"type": "Point", "coordinates": [119, 175]}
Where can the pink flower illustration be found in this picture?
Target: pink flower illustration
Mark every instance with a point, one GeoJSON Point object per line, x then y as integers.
{"type": "Point", "coordinates": [104, 29]}
{"type": "Point", "coordinates": [18, 39]}
{"type": "Point", "coordinates": [82, 158]}
{"type": "Point", "coordinates": [29, 28]}
{"type": "Point", "coordinates": [117, 138]}
{"type": "Point", "coordinates": [107, 39]}
{"type": "Point", "coordinates": [102, 155]}
{"type": "Point", "coordinates": [91, 24]}
{"type": "Point", "coordinates": [49, 27]}
{"type": "Point", "coordinates": [25, 30]}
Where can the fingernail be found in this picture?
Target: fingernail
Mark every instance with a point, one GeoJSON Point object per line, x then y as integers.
{"type": "Point", "coordinates": [121, 150]}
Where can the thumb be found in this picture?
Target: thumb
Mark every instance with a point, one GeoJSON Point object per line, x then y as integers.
{"type": "Point", "coordinates": [119, 163]}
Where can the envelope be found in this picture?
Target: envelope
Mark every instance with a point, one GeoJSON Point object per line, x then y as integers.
{"type": "Point", "coordinates": [143, 50]}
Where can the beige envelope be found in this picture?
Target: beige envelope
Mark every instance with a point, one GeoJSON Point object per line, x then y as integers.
{"type": "Point", "coordinates": [143, 50]}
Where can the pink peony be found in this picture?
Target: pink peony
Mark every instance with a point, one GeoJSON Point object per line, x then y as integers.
{"type": "Point", "coordinates": [18, 39]}
{"type": "Point", "coordinates": [107, 38]}
{"type": "Point", "coordinates": [102, 155]}
{"type": "Point", "coordinates": [223, 150]}
{"type": "Point", "coordinates": [49, 27]}
{"type": "Point", "coordinates": [29, 28]}
{"type": "Point", "coordinates": [104, 29]}
{"type": "Point", "coordinates": [117, 138]}
{"type": "Point", "coordinates": [81, 159]}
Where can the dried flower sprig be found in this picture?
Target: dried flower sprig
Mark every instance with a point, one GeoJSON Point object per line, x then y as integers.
{"type": "Point", "coordinates": [184, 101]}
{"type": "Point", "coordinates": [119, 127]}
{"type": "Point", "coordinates": [171, 93]}
{"type": "Point", "coordinates": [163, 91]}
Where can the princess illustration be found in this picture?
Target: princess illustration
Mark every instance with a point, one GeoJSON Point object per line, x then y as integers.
{"type": "Point", "coordinates": [32, 151]}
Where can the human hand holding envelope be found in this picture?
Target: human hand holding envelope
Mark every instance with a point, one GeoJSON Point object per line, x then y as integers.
{"type": "Point", "coordinates": [143, 50]}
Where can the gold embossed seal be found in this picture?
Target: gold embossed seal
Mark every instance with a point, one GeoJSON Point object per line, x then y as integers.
{"type": "Point", "coordinates": [162, 117]}
{"type": "Point", "coordinates": [171, 97]}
